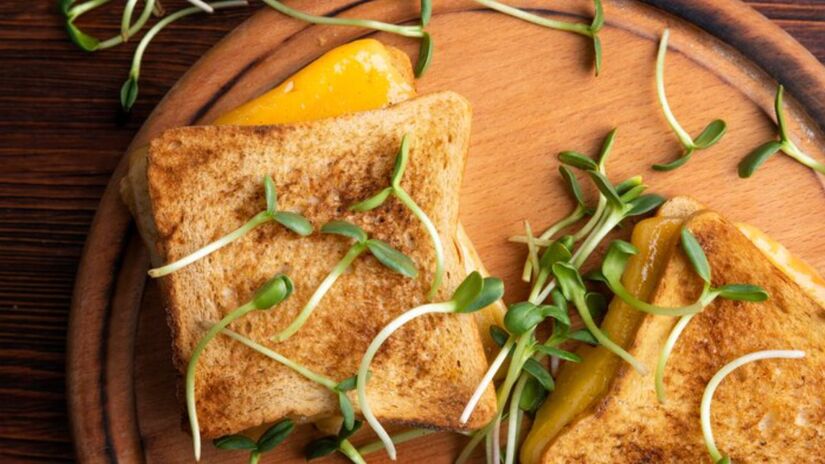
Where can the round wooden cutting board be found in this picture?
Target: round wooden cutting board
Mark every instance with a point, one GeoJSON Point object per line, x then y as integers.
{"type": "Point", "coordinates": [534, 94]}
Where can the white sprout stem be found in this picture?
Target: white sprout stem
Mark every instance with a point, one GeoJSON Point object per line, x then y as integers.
{"type": "Point", "coordinates": [274, 355]}
{"type": "Point", "coordinates": [520, 355]}
{"type": "Point", "coordinates": [191, 408]}
{"type": "Point", "coordinates": [202, 5]}
{"type": "Point", "coordinates": [523, 239]}
{"type": "Point", "coordinates": [320, 292]}
{"type": "Point", "coordinates": [581, 29]}
{"type": "Point", "coordinates": [683, 136]}
{"type": "Point", "coordinates": [405, 198]}
{"type": "Point", "coordinates": [366, 360]}
{"type": "Point", "coordinates": [486, 380]}
{"type": "Point", "coordinates": [515, 420]}
{"type": "Point", "coordinates": [494, 442]}
{"type": "Point", "coordinates": [82, 8]}
{"type": "Point", "coordinates": [126, 20]}
{"type": "Point", "coordinates": [591, 223]}
{"type": "Point", "coordinates": [532, 254]}
{"type": "Point", "coordinates": [710, 389]}
{"type": "Point", "coordinates": [129, 31]}
{"type": "Point", "coordinates": [258, 219]}
{"type": "Point", "coordinates": [794, 152]}
{"type": "Point", "coordinates": [603, 339]}
{"type": "Point", "coordinates": [398, 438]}
{"type": "Point", "coordinates": [349, 451]}
{"type": "Point", "coordinates": [406, 31]}
{"type": "Point", "coordinates": [144, 42]}
{"type": "Point", "coordinates": [665, 354]}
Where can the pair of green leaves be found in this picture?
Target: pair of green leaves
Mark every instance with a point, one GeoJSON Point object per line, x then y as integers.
{"type": "Point", "coordinates": [327, 445]}
{"type": "Point", "coordinates": [417, 31]}
{"type": "Point", "coordinates": [760, 154]}
{"type": "Point", "coordinates": [709, 136]}
{"type": "Point", "coordinates": [476, 293]}
{"type": "Point", "coordinates": [382, 251]}
{"type": "Point", "coordinates": [271, 438]}
{"type": "Point", "coordinates": [344, 404]}
{"type": "Point", "coordinates": [291, 221]}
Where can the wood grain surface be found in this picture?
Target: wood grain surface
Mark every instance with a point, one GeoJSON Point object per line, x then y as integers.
{"type": "Point", "coordinates": [61, 135]}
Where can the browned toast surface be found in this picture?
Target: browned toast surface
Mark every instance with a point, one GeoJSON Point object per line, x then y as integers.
{"type": "Point", "coordinates": [770, 411]}
{"type": "Point", "coordinates": [204, 182]}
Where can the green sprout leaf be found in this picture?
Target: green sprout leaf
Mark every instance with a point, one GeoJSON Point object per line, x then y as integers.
{"type": "Point", "coordinates": [347, 432]}
{"type": "Point", "coordinates": [521, 318]}
{"type": "Point", "coordinates": [271, 195]}
{"type": "Point", "coordinates": [616, 258]}
{"type": "Point", "coordinates": [129, 92]}
{"type": "Point", "coordinates": [711, 134]}
{"type": "Point", "coordinates": [468, 291]}
{"type": "Point", "coordinates": [572, 184]}
{"type": "Point", "coordinates": [320, 448]}
{"type": "Point", "coordinates": [644, 204]}
{"type": "Point", "coordinates": [425, 54]}
{"type": "Point", "coordinates": [234, 442]}
{"type": "Point", "coordinates": [83, 40]}
{"type": "Point", "coordinates": [678, 162]}
{"type": "Point", "coordinates": [499, 335]}
{"type": "Point", "coordinates": [583, 335]}
{"type": "Point", "coordinates": [695, 254]}
{"type": "Point", "coordinates": [274, 291]}
{"type": "Point", "coordinates": [628, 184]}
{"type": "Point", "coordinates": [556, 313]}
{"type": "Point", "coordinates": [606, 188]}
{"type": "Point", "coordinates": [346, 229]}
{"type": "Point", "coordinates": [532, 395]}
{"type": "Point", "coordinates": [491, 291]}
{"type": "Point", "coordinates": [275, 435]}
{"type": "Point", "coordinates": [596, 304]}
{"type": "Point", "coordinates": [401, 160]}
{"type": "Point", "coordinates": [597, 54]}
{"type": "Point", "coordinates": [757, 158]}
{"type": "Point", "coordinates": [294, 222]}
{"type": "Point", "coordinates": [372, 202]}
{"type": "Point", "coordinates": [534, 368]}
{"type": "Point", "coordinates": [559, 353]}
{"type": "Point", "coordinates": [743, 292]}
{"type": "Point", "coordinates": [598, 17]}
{"type": "Point", "coordinates": [346, 410]}
{"type": "Point", "coordinates": [578, 160]}
{"type": "Point", "coordinates": [347, 384]}
{"type": "Point", "coordinates": [392, 258]}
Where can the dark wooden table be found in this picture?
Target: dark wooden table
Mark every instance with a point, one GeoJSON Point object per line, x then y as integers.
{"type": "Point", "coordinates": [61, 135]}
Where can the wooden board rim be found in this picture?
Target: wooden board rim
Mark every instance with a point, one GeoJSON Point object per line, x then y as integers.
{"type": "Point", "coordinates": [113, 252]}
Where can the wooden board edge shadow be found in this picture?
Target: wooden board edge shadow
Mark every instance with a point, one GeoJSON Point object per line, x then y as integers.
{"type": "Point", "coordinates": [113, 256]}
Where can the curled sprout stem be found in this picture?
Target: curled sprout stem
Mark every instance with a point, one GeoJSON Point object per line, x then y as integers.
{"type": "Point", "coordinates": [710, 389]}
{"type": "Point", "coordinates": [299, 321]}
{"type": "Point", "coordinates": [191, 409]}
{"type": "Point", "coordinates": [787, 145]}
{"type": "Point", "coordinates": [406, 31]}
{"type": "Point", "coordinates": [261, 218]}
{"type": "Point", "coordinates": [398, 438]}
{"type": "Point", "coordinates": [207, 8]}
{"type": "Point", "coordinates": [620, 291]}
{"type": "Point", "coordinates": [487, 380]}
{"type": "Point", "coordinates": [366, 360]}
{"type": "Point", "coordinates": [665, 354]}
{"type": "Point", "coordinates": [685, 138]}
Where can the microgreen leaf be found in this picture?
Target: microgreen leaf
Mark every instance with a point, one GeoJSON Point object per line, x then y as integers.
{"type": "Point", "coordinates": [320, 448]}
{"type": "Point", "coordinates": [392, 258]}
{"type": "Point", "coordinates": [743, 292]}
{"type": "Point", "coordinates": [596, 304]}
{"type": "Point", "coordinates": [633, 193]}
{"type": "Point", "coordinates": [578, 160]}
{"type": "Point", "coordinates": [532, 395]}
{"type": "Point", "coordinates": [616, 258]}
{"type": "Point", "coordinates": [711, 134]}
{"type": "Point", "coordinates": [598, 16]}
{"type": "Point", "coordinates": [346, 229]}
{"type": "Point", "coordinates": [272, 292]}
{"type": "Point", "coordinates": [556, 313]}
{"type": "Point", "coordinates": [569, 280]}
{"type": "Point", "coordinates": [644, 204]}
{"type": "Point", "coordinates": [597, 54]}
{"type": "Point", "coordinates": [347, 384]}
{"type": "Point", "coordinates": [401, 160]}
{"type": "Point", "coordinates": [426, 11]}
{"type": "Point", "coordinates": [129, 92]}
{"type": "Point", "coordinates": [499, 335]}
{"type": "Point", "coordinates": [468, 291]}
{"type": "Point", "coordinates": [695, 254]}
{"type": "Point", "coordinates": [491, 291]}
{"type": "Point", "coordinates": [347, 432]}
{"type": "Point", "coordinates": [234, 442]}
{"type": "Point", "coordinates": [583, 335]}
{"type": "Point", "coordinates": [521, 318]}
{"type": "Point", "coordinates": [425, 54]}
{"type": "Point", "coordinates": [595, 275]}
{"type": "Point", "coordinates": [558, 299]}
{"type": "Point", "coordinates": [572, 184]}
{"type": "Point", "coordinates": [275, 435]}
{"type": "Point", "coordinates": [559, 353]}
{"type": "Point", "coordinates": [372, 202]}
{"type": "Point", "coordinates": [534, 368]}
{"type": "Point", "coordinates": [556, 252]}
{"type": "Point", "coordinates": [628, 184]}
{"type": "Point", "coordinates": [605, 188]}
{"type": "Point", "coordinates": [757, 158]}
{"type": "Point", "coordinates": [294, 222]}
{"type": "Point", "coordinates": [678, 162]}
{"type": "Point", "coordinates": [271, 195]}
{"type": "Point", "coordinates": [346, 410]}
{"type": "Point", "coordinates": [64, 6]}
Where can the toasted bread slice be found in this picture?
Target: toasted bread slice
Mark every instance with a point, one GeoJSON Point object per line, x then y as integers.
{"type": "Point", "coordinates": [770, 411]}
{"type": "Point", "coordinates": [206, 181]}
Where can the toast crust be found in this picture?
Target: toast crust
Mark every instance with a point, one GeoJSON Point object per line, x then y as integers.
{"type": "Point", "coordinates": [426, 372]}
{"type": "Point", "coordinates": [767, 412]}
